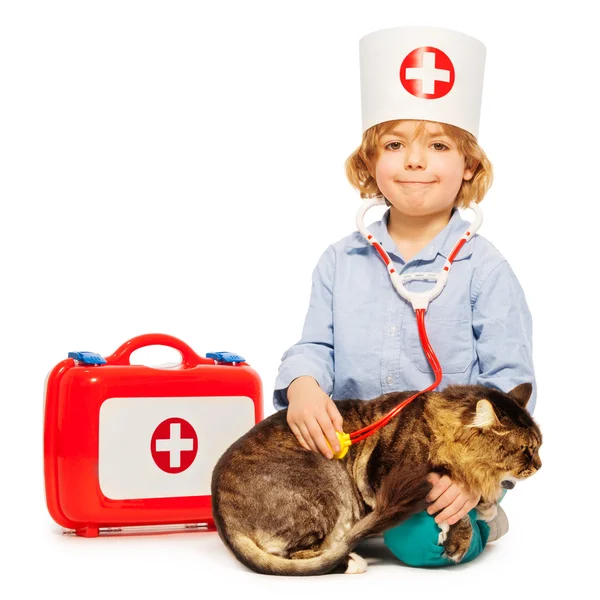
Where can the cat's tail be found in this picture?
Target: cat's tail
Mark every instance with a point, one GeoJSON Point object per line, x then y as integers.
{"type": "Point", "coordinates": [401, 495]}
{"type": "Point", "coordinates": [396, 501]}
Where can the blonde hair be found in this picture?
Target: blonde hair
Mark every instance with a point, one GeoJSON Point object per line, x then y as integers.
{"type": "Point", "coordinates": [361, 162]}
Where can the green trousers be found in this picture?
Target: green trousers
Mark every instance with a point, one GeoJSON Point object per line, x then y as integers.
{"type": "Point", "coordinates": [415, 541]}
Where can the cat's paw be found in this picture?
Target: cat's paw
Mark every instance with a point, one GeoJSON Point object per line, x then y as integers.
{"type": "Point", "coordinates": [486, 513]}
{"type": "Point", "coordinates": [443, 533]}
{"type": "Point", "coordinates": [356, 564]}
{"type": "Point", "coordinates": [458, 540]}
{"type": "Point", "coordinates": [456, 556]}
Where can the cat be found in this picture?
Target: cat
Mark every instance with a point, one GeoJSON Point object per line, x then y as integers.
{"type": "Point", "coordinates": [284, 510]}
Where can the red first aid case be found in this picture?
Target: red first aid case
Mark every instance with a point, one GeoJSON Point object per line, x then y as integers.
{"type": "Point", "coordinates": [132, 447]}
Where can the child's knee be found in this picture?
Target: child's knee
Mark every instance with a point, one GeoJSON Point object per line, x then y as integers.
{"type": "Point", "coordinates": [415, 542]}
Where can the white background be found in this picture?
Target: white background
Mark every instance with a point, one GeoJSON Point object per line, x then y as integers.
{"type": "Point", "coordinates": [178, 167]}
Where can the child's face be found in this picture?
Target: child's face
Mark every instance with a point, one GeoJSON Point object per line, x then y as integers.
{"type": "Point", "coordinates": [432, 160]}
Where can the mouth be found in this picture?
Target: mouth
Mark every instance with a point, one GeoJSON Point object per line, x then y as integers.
{"type": "Point", "coordinates": [416, 182]}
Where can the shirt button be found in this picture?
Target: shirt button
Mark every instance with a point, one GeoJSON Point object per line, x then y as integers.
{"type": "Point", "coordinates": [389, 379]}
{"type": "Point", "coordinates": [392, 330]}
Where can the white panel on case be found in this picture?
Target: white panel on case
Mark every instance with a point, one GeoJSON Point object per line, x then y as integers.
{"type": "Point", "coordinates": [147, 449]}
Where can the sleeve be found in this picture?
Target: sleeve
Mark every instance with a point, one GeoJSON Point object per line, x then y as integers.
{"type": "Point", "coordinates": [313, 354]}
{"type": "Point", "coordinates": [503, 333]}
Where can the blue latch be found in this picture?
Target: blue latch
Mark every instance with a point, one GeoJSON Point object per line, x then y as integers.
{"type": "Point", "coordinates": [226, 357]}
{"type": "Point", "coordinates": [88, 358]}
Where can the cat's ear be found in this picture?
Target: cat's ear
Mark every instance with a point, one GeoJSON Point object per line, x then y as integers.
{"type": "Point", "coordinates": [521, 394]}
{"type": "Point", "coordinates": [484, 415]}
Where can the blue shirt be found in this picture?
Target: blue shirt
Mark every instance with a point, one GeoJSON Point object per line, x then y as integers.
{"type": "Point", "coordinates": [360, 337]}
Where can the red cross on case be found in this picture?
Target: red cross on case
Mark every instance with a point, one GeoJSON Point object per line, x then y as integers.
{"type": "Point", "coordinates": [174, 445]}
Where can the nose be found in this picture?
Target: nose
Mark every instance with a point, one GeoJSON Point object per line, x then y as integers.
{"type": "Point", "coordinates": [415, 158]}
{"type": "Point", "coordinates": [537, 462]}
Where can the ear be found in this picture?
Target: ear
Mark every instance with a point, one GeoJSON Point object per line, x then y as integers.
{"type": "Point", "coordinates": [485, 416]}
{"type": "Point", "coordinates": [521, 394]}
{"type": "Point", "coordinates": [470, 170]}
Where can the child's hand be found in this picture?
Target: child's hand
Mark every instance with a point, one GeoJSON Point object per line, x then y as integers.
{"type": "Point", "coordinates": [311, 414]}
{"type": "Point", "coordinates": [455, 498]}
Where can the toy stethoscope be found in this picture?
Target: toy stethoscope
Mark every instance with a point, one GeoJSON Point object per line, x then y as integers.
{"type": "Point", "coordinates": [419, 301]}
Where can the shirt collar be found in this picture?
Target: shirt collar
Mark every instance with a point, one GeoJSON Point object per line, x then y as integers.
{"type": "Point", "coordinates": [442, 244]}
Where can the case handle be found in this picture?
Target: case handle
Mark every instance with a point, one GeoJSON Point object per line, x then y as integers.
{"type": "Point", "coordinates": [123, 352]}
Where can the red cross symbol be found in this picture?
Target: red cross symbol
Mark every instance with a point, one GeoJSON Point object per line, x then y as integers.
{"type": "Point", "coordinates": [174, 445]}
{"type": "Point", "coordinates": [427, 73]}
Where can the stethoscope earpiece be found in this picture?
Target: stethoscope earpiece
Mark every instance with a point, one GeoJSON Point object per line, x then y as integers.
{"type": "Point", "coordinates": [417, 299]}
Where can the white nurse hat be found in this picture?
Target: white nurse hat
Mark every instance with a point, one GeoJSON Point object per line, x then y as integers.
{"type": "Point", "coordinates": [424, 73]}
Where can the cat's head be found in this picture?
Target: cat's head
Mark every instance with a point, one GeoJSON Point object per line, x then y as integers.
{"type": "Point", "coordinates": [504, 433]}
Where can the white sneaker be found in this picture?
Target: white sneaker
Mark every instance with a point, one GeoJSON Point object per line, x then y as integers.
{"type": "Point", "coordinates": [498, 525]}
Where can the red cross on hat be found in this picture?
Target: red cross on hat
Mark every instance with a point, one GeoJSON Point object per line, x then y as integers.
{"type": "Point", "coordinates": [427, 72]}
